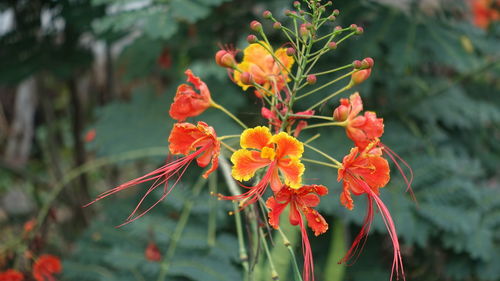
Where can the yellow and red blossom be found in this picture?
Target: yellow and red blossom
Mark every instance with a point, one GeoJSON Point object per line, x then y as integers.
{"type": "Point", "coordinates": [361, 129]}
{"type": "Point", "coordinates": [188, 102]}
{"type": "Point", "coordinates": [45, 267]}
{"type": "Point", "coordinates": [11, 275]}
{"type": "Point", "coordinates": [281, 153]}
{"type": "Point", "coordinates": [362, 167]}
{"type": "Point", "coordinates": [263, 68]}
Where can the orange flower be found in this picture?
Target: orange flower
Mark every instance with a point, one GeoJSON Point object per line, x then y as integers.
{"type": "Point", "coordinates": [365, 172]}
{"type": "Point", "coordinates": [360, 129]}
{"type": "Point", "coordinates": [484, 12]}
{"type": "Point", "coordinates": [189, 103]}
{"type": "Point", "coordinates": [301, 202]}
{"type": "Point", "coordinates": [152, 252]}
{"type": "Point", "coordinates": [45, 267]}
{"type": "Point", "coordinates": [11, 275]}
{"type": "Point", "coordinates": [263, 68]}
{"type": "Point", "coordinates": [279, 153]}
{"type": "Point", "coordinates": [195, 142]}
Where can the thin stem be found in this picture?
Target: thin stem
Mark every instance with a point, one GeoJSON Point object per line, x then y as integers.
{"type": "Point", "coordinates": [333, 70]}
{"type": "Point", "coordinates": [228, 146]}
{"type": "Point", "coordinates": [312, 116]}
{"type": "Point", "coordinates": [228, 137]}
{"type": "Point", "coordinates": [340, 124]}
{"type": "Point", "coordinates": [212, 214]}
{"type": "Point", "coordinates": [179, 229]}
{"type": "Point", "coordinates": [347, 87]}
{"type": "Point", "coordinates": [223, 109]}
{"type": "Point", "coordinates": [312, 138]}
{"type": "Point", "coordinates": [241, 242]}
{"type": "Point", "coordinates": [274, 273]}
{"type": "Point", "coordinates": [324, 155]}
{"type": "Point", "coordinates": [325, 85]}
{"type": "Point", "coordinates": [320, 163]}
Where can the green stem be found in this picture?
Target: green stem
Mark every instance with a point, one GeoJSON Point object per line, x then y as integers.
{"type": "Point", "coordinates": [241, 241]}
{"type": "Point", "coordinates": [340, 124]}
{"type": "Point", "coordinates": [179, 229]}
{"type": "Point", "coordinates": [212, 214]}
{"type": "Point", "coordinates": [320, 163]}
{"type": "Point", "coordinates": [331, 96]}
{"type": "Point", "coordinates": [274, 273]}
{"type": "Point", "coordinates": [223, 109]}
{"type": "Point", "coordinates": [324, 155]}
{"type": "Point", "coordinates": [333, 270]}
{"type": "Point", "coordinates": [333, 70]}
{"type": "Point", "coordinates": [325, 85]}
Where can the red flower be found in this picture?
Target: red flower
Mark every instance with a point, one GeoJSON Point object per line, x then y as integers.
{"type": "Point", "coordinates": [484, 12]}
{"type": "Point", "coordinates": [301, 202]}
{"type": "Point", "coordinates": [196, 142]}
{"type": "Point", "coordinates": [11, 275]}
{"type": "Point", "coordinates": [189, 103]}
{"type": "Point", "coordinates": [360, 129]}
{"type": "Point", "coordinates": [365, 172]}
{"type": "Point", "coordinates": [45, 267]}
{"type": "Point", "coordinates": [152, 252]}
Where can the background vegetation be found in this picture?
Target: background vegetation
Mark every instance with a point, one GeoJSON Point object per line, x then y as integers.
{"type": "Point", "coordinates": [85, 88]}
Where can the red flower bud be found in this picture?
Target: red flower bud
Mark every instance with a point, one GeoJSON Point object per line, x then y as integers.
{"type": "Point", "coordinates": [360, 76]}
{"type": "Point", "coordinates": [277, 25]}
{"type": "Point", "coordinates": [288, 13]}
{"type": "Point", "coordinates": [353, 27]}
{"type": "Point", "coordinates": [332, 45]}
{"type": "Point", "coordinates": [252, 39]}
{"type": "Point", "coordinates": [357, 64]}
{"type": "Point", "coordinates": [369, 61]}
{"type": "Point", "coordinates": [290, 51]}
{"type": "Point", "coordinates": [267, 14]}
{"type": "Point", "coordinates": [332, 18]}
{"type": "Point", "coordinates": [256, 26]}
{"type": "Point", "coordinates": [337, 28]}
{"type": "Point", "coordinates": [225, 59]}
{"type": "Point", "coordinates": [359, 30]}
{"type": "Point", "coordinates": [336, 12]}
{"type": "Point", "coordinates": [152, 252]}
{"type": "Point", "coordinates": [303, 30]}
{"type": "Point", "coordinates": [311, 79]}
{"type": "Point", "coordinates": [341, 112]}
{"type": "Point", "coordinates": [246, 78]}
{"type": "Point", "coordinates": [296, 4]}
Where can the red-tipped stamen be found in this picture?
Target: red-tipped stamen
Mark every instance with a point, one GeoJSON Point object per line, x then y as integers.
{"type": "Point", "coordinates": [395, 157]}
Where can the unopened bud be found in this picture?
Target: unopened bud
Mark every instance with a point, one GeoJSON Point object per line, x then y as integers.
{"type": "Point", "coordinates": [329, 3]}
{"type": "Point", "coordinates": [353, 27]}
{"type": "Point", "coordinates": [296, 4]}
{"type": "Point", "coordinates": [288, 13]}
{"type": "Point", "coordinates": [356, 64]}
{"type": "Point", "coordinates": [255, 26]}
{"type": "Point", "coordinates": [332, 45]}
{"type": "Point", "coordinates": [246, 78]}
{"type": "Point", "coordinates": [302, 12]}
{"type": "Point", "coordinates": [290, 51]}
{"type": "Point", "coordinates": [360, 76]}
{"type": "Point", "coordinates": [359, 30]}
{"type": "Point", "coordinates": [225, 59]}
{"type": "Point", "coordinates": [277, 25]}
{"type": "Point", "coordinates": [252, 39]}
{"type": "Point", "coordinates": [267, 14]}
{"type": "Point", "coordinates": [322, 9]}
{"type": "Point", "coordinates": [341, 113]}
{"type": "Point", "coordinates": [336, 12]}
{"type": "Point", "coordinates": [332, 18]}
{"type": "Point", "coordinates": [338, 28]}
{"type": "Point", "coordinates": [311, 79]}
{"type": "Point", "coordinates": [369, 61]}
{"type": "Point", "coordinates": [303, 30]}
{"type": "Point", "coordinates": [309, 25]}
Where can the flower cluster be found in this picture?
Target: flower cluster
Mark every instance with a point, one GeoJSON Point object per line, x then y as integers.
{"type": "Point", "coordinates": [272, 155]}
{"type": "Point", "coordinates": [44, 269]}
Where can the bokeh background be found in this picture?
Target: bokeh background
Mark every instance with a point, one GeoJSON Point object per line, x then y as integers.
{"type": "Point", "coordinates": [85, 87]}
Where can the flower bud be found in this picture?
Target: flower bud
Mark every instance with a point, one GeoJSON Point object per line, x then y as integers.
{"type": "Point", "coordinates": [336, 12]}
{"type": "Point", "coordinates": [341, 112]}
{"type": "Point", "coordinates": [277, 25]}
{"type": "Point", "coordinates": [252, 39]}
{"type": "Point", "coordinates": [311, 79]}
{"type": "Point", "coordinates": [225, 59]}
{"type": "Point", "coordinates": [290, 51]}
{"type": "Point", "coordinates": [152, 252]}
{"type": "Point", "coordinates": [267, 14]}
{"type": "Point", "coordinates": [303, 30]}
{"type": "Point", "coordinates": [332, 45]}
{"type": "Point", "coordinates": [255, 26]}
{"type": "Point", "coordinates": [302, 12]}
{"type": "Point", "coordinates": [296, 4]}
{"type": "Point", "coordinates": [357, 64]}
{"type": "Point", "coordinates": [288, 13]}
{"type": "Point", "coordinates": [332, 18]}
{"type": "Point", "coordinates": [246, 78]}
{"type": "Point", "coordinates": [353, 27]}
{"type": "Point", "coordinates": [359, 30]}
{"type": "Point", "coordinates": [322, 9]}
{"type": "Point", "coordinates": [369, 61]}
{"type": "Point", "coordinates": [338, 28]}
{"type": "Point", "coordinates": [360, 76]}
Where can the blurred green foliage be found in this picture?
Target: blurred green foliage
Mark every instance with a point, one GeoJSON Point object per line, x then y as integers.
{"type": "Point", "coordinates": [435, 82]}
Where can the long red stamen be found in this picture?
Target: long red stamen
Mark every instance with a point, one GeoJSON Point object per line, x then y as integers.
{"type": "Point", "coordinates": [397, 263]}
{"type": "Point", "coordinates": [308, 271]}
{"type": "Point", "coordinates": [255, 192]}
{"type": "Point", "coordinates": [395, 157]}
{"type": "Point", "coordinates": [159, 176]}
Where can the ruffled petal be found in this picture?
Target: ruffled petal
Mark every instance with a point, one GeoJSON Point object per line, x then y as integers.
{"type": "Point", "coordinates": [275, 210]}
{"type": "Point", "coordinates": [246, 163]}
{"type": "Point", "coordinates": [182, 137]}
{"type": "Point", "coordinates": [287, 146]}
{"type": "Point", "coordinates": [345, 197]}
{"type": "Point", "coordinates": [316, 221]}
{"type": "Point", "coordinates": [291, 169]}
{"type": "Point", "coordinates": [256, 138]}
